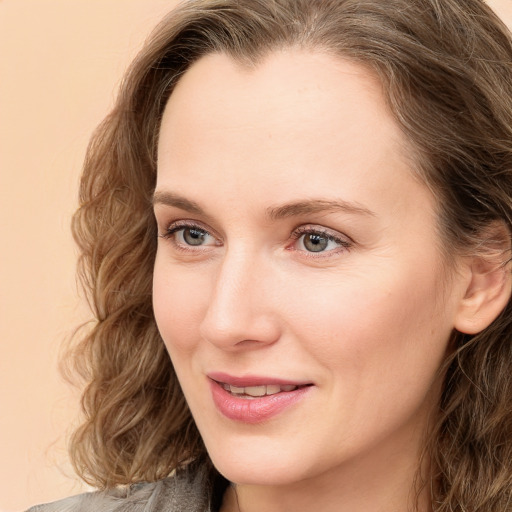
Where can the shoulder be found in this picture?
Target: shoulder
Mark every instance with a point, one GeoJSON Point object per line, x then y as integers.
{"type": "Point", "coordinates": [186, 491]}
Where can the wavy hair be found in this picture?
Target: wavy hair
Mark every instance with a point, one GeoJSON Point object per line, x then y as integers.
{"type": "Point", "coordinates": [446, 69]}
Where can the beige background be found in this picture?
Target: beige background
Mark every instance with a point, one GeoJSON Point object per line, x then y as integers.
{"type": "Point", "coordinates": [60, 63]}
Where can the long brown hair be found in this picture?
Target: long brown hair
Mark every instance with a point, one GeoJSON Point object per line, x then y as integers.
{"type": "Point", "coordinates": [446, 68]}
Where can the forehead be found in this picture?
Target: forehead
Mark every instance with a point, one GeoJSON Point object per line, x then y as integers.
{"type": "Point", "coordinates": [289, 93]}
{"type": "Point", "coordinates": [300, 123]}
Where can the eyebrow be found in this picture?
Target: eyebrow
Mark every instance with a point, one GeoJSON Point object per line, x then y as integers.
{"type": "Point", "coordinates": [295, 209]}
{"type": "Point", "coordinates": [172, 199]}
{"type": "Point", "coordinates": [311, 206]}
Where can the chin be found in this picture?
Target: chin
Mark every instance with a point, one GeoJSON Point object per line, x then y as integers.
{"type": "Point", "coordinates": [257, 465]}
{"type": "Point", "coordinates": [245, 473]}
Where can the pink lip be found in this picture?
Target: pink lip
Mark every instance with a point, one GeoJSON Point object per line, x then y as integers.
{"type": "Point", "coordinates": [253, 380]}
{"type": "Point", "coordinates": [255, 410]}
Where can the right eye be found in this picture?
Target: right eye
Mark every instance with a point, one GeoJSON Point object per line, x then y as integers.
{"type": "Point", "coordinates": [187, 236]}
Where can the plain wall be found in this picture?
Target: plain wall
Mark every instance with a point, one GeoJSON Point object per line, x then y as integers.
{"type": "Point", "coordinates": [60, 64]}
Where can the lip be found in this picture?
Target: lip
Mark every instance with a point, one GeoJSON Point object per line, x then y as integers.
{"type": "Point", "coordinates": [254, 410]}
{"type": "Point", "coordinates": [254, 380]}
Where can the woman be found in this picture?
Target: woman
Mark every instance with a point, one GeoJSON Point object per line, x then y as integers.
{"type": "Point", "coordinates": [307, 205]}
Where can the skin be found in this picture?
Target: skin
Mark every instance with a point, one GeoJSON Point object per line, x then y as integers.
{"type": "Point", "coordinates": [367, 320]}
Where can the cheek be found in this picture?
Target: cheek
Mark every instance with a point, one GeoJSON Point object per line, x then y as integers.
{"type": "Point", "coordinates": [179, 302]}
{"type": "Point", "coordinates": [377, 344]}
{"type": "Point", "coordinates": [368, 327]}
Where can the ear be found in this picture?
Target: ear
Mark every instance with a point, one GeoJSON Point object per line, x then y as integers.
{"type": "Point", "coordinates": [488, 283]}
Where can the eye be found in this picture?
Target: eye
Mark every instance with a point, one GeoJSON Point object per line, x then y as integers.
{"type": "Point", "coordinates": [187, 236]}
{"type": "Point", "coordinates": [317, 240]}
{"type": "Point", "coordinates": [192, 236]}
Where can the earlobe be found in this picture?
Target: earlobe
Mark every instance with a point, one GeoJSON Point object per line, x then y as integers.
{"type": "Point", "coordinates": [488, 288]}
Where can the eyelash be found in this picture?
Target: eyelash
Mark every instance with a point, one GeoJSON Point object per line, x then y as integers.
{"type": "Point", "coordinates": [175, 227]}
{"type": "Point", "coordinates": [345, 244]}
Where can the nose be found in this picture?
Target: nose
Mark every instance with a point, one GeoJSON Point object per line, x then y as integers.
{"type": "Point", "coordinates": [240, 314]}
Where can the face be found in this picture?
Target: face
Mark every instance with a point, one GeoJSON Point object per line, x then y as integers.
{"type": "Point", "coordinates": [298, 283]}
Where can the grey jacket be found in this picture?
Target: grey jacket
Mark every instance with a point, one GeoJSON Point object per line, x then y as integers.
{"type": "Point", "coordinates": [186, 491]}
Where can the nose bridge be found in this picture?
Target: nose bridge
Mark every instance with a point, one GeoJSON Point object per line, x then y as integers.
{"type": "Point", "coordinates": [238, 310]}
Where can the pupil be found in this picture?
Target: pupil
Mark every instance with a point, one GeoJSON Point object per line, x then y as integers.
{"type": "Point", "coordinates": [315, 243]}
{"type": "Point", "coordinates": [193, 236]}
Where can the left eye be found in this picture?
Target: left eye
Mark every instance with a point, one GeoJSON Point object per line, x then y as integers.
{"type": "Point", "coordinates": [313, 241]}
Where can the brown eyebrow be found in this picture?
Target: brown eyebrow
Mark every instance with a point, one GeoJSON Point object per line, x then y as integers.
{"type": "Point", "coordinates": [316, 206]}
{"type": "Point", "coordinates": [295, 209]}
{"type": "Point", "coordinates": [172, 199]}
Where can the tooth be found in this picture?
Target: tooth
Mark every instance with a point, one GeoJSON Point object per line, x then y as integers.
{"type": "Point", "coordinates": [273, 389]}
{"type": "Point", "coordinates": [236, 390]}
{"type": "Point", "coordinates": [255, 390]}
{"type": "Point", "coordinates": [288, 387]}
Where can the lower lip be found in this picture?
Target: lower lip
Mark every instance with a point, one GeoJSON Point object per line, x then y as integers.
{"type": "Point", "coordinates": [254, 410]}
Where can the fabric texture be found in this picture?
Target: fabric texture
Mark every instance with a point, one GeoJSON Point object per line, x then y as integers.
{"type": "Point", "coordinates": [186, 491]}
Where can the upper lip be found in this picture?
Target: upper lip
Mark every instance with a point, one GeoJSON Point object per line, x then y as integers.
{"type": "Point", "coordinates": [254, 380]}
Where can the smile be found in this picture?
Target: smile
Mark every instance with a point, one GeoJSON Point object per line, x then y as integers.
{"type": "Point", "coordinates": [251, 400]}
{"type": "Point", "coordinates": [257, 391]}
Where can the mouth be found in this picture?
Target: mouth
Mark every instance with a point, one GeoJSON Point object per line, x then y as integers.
{"type": "Point", "coordinates": [251, 392]}
{"type": "Point", "coordinates": [255, 399]}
